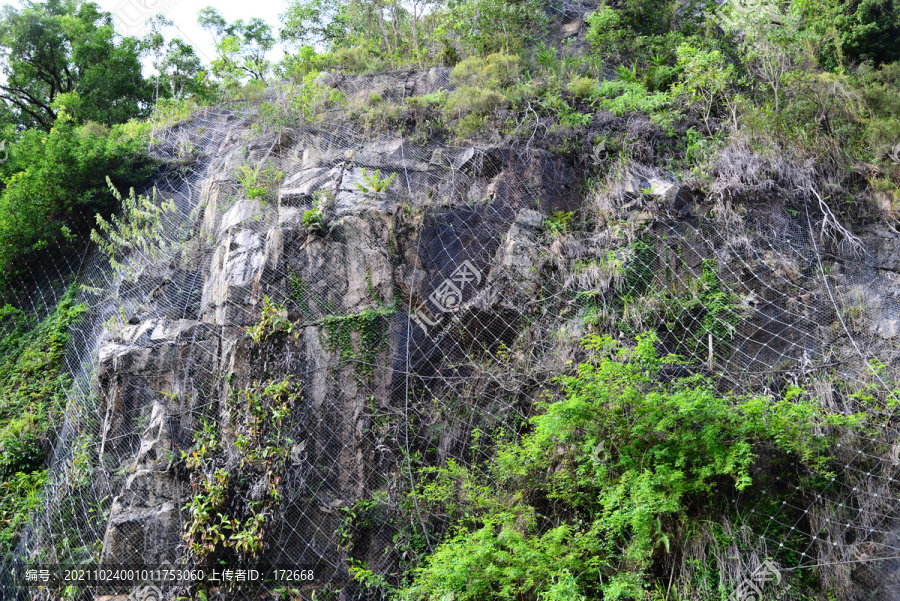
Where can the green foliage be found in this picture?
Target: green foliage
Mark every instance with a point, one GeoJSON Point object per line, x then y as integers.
{"type": "Point", "coordinates": [770, 40]}
{"type": "Point", "coordinates": [854, 31]}
{"type": "Point", "coordinates": [494, 72]}
{"type": "Point", "coordinates": [604, 28]}
{"type": "Point", "coordinates": [21, 494]}
{"type": "Point", "coordinates": [559, 223]}
{"type": "Point", "coordinates": [881, 92]}
{"type": "Point", "coordinates": [469, 126]}
{"type": "Point", "coordinates": [259, 183]}
{"type": "Point", "coordinates": [300, 293]}
{"type": "Point", "coordinates": [581, 505]}
{"type": "Point", "coordinates": [55, 179]}
{"type": "Point", "coordinates": [168, 112]}
{"type": "Point", "coordinates": [33, 388]}
{"type": "Point", "coordinates": [554, 104]}
{"type": "Point", "coordinates": [272, 322]}
{"type": "Point", "coordinates": [474, 101]}
{"type": "Point", "coordinates": [364, 37]}
{"type": "Point", "coordinates": [481, 83]}
{"type": "Point", "coordinates": [241, 46]}
{"type": "Point", "coordinates": [358, 337]}
{"type": "Point", "coordinates": [636, 30]}
{"type": "Point", "coordinates": [139, 234]}
{"type": "Point", "coordinates": [314, 220]}
{"type": "Point", "coordinates": [297, 66]}
{"type": "Point", "coordinates": [582, 87]}
{"type": "Point", "coordinates": [363, 514]}
{"type": "Point", "coordinates": [639, 273]}
{"type": "Point", "coordinates": [312, 96]}
{"type": "Point", "coordinates": [705, 77]}
{"type": "Point", "coordinates": [483, 27]}
{"type": "Point", "coordinates": [689, 318]}
{"type": "Point", "coordinates": [621, 97]}
{"type": "Point", "coordinates": [68, 47]}
{"type": "Point", "coordinates": [182, 70]}
{"type": "Point", "coordinates": [373, 183]}
{"type": "Point", "coordinates": [224, 514]}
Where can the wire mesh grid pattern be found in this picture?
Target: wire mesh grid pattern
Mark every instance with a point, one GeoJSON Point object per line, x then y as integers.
{"type": "Point", "coordinates": [412, 314]}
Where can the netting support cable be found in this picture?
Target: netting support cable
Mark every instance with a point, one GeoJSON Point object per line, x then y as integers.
{"type": "Point", "coordinates": [412, 482]}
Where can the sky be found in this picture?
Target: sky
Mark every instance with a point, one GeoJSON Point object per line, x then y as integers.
{"type": "Point", "coordinates": [131, 15]}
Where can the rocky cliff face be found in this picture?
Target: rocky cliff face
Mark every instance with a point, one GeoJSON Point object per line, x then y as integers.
{"type": "Point", "coordinates": [470, 216]}
{"type": "Point", "coordinates": [412, 316]}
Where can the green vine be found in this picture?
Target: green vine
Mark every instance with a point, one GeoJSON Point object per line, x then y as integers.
{"type": "Point", "coordinates": [224, 513]}
{"type": "Point", "coordinates": [370, 327]}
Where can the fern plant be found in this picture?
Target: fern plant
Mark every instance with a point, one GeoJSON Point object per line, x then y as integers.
{"type": "Point", "coordinates": [374, 183]}
{"type": "Point", "coordinates": [257, 183]}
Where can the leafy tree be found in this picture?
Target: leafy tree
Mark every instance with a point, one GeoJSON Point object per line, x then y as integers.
{"type": "Point", "coordinates": [485, 26]}
{"type": "Point", "coordinates": [399, 31]}
{"type": "Point", "coordinates": [68, 47]}
{"type": "Point", "coordinates": [347, 24]}
{"type": "Point", "coordinates": [57, 182]}
{"type": "Point", "coordinates": [770, 38]}
{"type": "Point", "coordinates": [312, 22]}
{"type": "Point", "coordinates": [241, 46]}
{"type": "Point", "coordinates": [854, 30]}
{"type": "Point", "coordinates": [705, 77]}
{"type": "Point", "coordinates": [182, 67]}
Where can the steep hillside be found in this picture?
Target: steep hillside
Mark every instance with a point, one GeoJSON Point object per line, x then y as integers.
{"type": "Point", "coordinates": [519, 328]}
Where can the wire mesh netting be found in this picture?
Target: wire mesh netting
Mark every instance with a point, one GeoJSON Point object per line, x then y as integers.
{"type": "Point", "coordinates": [331, 308]}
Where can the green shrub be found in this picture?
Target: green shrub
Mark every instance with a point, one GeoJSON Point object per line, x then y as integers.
{"type": "Point", "coordinates": [33, 388]}
{"type": "Point", "coordinates": [297, 66]}
{"type": "Point", "coordinates": [605, 477]}
{"type": "Point", "coordinates": [705, 76]}
{"type": "Point", "coordinates": [559, 223]}
{"type": "Point", "coordinates": [478, 101]}
{"type": "Point", "coordinates": [469, 126]}
{"type": "Point", "coordinates": [659, 78]}
{"type": "Point", "coordinates": [494, 72]}
{"type": "Point", "coordinates": [138, 235]}
{"type": "Point", "coordinates": [382, 116]}
{"type": "Point", "coordinates": [57, 182]}
{"type": "Point", "coordinates": [483, 27]}
{"type": "Point", "coordinates": [853, 31]}
{"type": "Point", "coordinates": [620, 97]}
{"type": "Point", "coordinates": [373, 183]}
{"type": "Point", "coordinates": [604, 30]}
{"type": "Point", "coordinates": [353, 60]}
{"type": "Point", "coordinates": [19, 497]}
{"type": "Point", "coordinates": [259, 184]}
{"type": "Point", "coordinates": [312, 96]}
{"type": "Point", "coordinates": [314, 219]}
{"type": "Point", "coordinates": [582, 87]}
{"type": "Point", "coordinates": [881, 92]}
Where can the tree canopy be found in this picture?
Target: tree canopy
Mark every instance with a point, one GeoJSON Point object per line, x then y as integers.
{"type": "Point", "coordinates": [242, 46]}
{"type": "Point", "coordinates": [68, 47]}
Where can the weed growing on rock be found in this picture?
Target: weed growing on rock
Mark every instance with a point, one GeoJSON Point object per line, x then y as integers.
{"type": "Point", "coordinates": [259, 183]}
{"type": "Point", "coordinates": [272, 321]}
{"type": "Point", "coordinates": [231, 503]}
{"type": "Point", "coordinates": [374, 184]}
